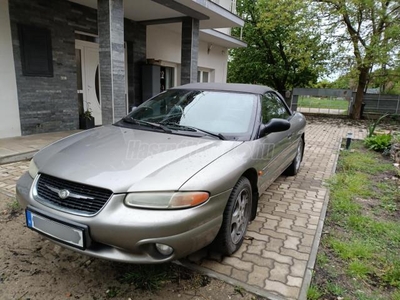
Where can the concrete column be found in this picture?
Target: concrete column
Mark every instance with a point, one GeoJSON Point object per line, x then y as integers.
{"type": "Point", "coordinates": [110, 16]}
{"type": "Point", "coordinates": [190, 50]}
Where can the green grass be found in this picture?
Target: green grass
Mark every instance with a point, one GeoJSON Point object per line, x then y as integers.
{"type": "Point", "coordinates": [149, 277]}
{"type": "Point", "coordinates": [359, 269]}
{"type": "Point", "coordinates": [313, 293]}
{"type": "Point", "coordinates": [360, 254]}
{"type": "Point", "coordinates": [314, 102]}
{"type": "Point", "coordinates": [335, 289]}
{"type": "Point", "coordinates": [396, 295]}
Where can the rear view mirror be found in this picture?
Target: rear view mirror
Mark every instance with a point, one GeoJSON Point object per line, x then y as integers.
{"type": "Point", "coordinates": [275, 125]}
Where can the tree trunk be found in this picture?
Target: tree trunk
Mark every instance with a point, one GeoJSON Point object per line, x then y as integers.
{"type": "Point", "coordinates": [362, 83]}
{"type": "Point", "coordinates": [283, 93]}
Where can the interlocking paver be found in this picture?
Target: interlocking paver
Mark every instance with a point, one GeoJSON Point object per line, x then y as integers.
{"type": "Point", "coordinates": [258, 260]}
{"type": "Point", "coordinates": [294, 281]}
{"type": "Point", "coordinates": [282, 289]}
{"type": "Point", "coordinates": [274, 257]}
{"type": "Point", "coordinates": [257, 277]}
{"type": "Point", "coordinates": [291, 242]}
{"type": "Point", "coordinates": [280, 272]}
{"type": "Point", "coordinates": [285, 259]}
{"type": "Point", "coordinates": [256, 247]}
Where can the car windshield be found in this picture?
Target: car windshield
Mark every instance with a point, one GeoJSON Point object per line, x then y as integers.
{"type": "Point", "coordinates": [223, 114]}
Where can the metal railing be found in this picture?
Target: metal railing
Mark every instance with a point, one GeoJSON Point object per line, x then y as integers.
{"type": "Point", "coordinates": [379, 103]}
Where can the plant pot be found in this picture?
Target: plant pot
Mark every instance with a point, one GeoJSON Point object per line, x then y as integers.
{"type": "Point", "coordinates": [86, 123]}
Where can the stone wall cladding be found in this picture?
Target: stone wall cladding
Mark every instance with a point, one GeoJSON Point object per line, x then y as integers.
{"type": "Point", "coordinates": [135, 37]}
{"type": "Point", "coordinates": [190, 50]}
{"type": "Point", "coordinates": [50, 104]}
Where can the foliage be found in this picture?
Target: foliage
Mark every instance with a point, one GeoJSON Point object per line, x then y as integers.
{"type": "Point", "coordinates": [313, 293]}
{"type": "Point", "coordinates": [346, 81]}
{"type": "Point", "coordinates": [87, 114]}
{"type": "Point", "coordinates": [386, 79]}
{"type": "Point", "coordinates": [366, 34]}
{"type": "Point", "coordinates": [379, 142]}
{"type": "Point", "coordinates": [372, 126]}
{"type": "Point", "coordinates": [14, 207]}
{"type": "Point", "coordinates": [285, 48]}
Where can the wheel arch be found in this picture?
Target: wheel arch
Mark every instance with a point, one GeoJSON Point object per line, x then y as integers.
{"type": "Point", "coordinates": [252, 176]}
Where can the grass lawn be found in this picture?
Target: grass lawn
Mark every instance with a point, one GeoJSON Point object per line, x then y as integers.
{"type": "Point", "coordinates": [314, 102]}
{"type": "Point", "coordinates": [359, 254]}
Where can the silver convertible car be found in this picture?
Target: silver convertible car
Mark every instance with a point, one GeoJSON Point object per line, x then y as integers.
{"type": "Point", "coordinates": [182, 171]}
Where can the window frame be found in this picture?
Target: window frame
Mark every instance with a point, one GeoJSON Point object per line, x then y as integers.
{"type": "Point", "coordinates": [280, 100]}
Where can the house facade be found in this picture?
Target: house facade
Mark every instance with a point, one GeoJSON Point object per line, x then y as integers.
{"type": "Point", "coordinates": [61, 58]}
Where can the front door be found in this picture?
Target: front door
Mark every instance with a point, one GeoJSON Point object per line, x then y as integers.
{"type": "Point", "coordinates": [90, 85]}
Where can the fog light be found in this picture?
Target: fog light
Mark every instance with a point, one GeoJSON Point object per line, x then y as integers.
{"type": "Point", "coordinates": [164, 249]}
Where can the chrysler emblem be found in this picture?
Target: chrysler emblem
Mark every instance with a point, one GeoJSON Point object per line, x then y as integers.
{"type": "Point", "coordinates": [63, 194]}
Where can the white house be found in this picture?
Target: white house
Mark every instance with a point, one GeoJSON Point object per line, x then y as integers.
{"type": "Point", "coordinates": [59, 58]}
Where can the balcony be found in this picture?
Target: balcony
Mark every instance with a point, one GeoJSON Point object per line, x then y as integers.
{"type": "Point", "coordinates": [227, 4]}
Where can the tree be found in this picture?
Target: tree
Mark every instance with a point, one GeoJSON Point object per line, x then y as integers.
{"type": "Point", "coordinates": [367, 36]}
{"type": "Point", "coordinates": [387, 80]}
{"type": "Point", "coordinates": [285, 49]}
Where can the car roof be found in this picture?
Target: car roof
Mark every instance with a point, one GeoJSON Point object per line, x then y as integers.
{"type": "Point", "coordinates": [228, 87]}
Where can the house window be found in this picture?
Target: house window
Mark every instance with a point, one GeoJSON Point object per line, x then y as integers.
{"type": "Point", "coordinates": [36, 51]}
{"type": "Point", "coordinates": [203, 76]}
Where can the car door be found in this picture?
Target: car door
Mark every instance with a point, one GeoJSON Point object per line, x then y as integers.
{"type": "Point", "coordinates": [275, 147]}
{"type": "Point", "coordinates": [293, 134]}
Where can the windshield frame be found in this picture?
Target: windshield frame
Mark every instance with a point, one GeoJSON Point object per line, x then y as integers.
{"type": "Point", "coordinates": [244, 136]}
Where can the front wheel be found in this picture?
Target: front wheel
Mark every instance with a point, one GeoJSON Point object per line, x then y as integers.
{"type": "Point", "coordinates": [294, 167]}
{"type": "Point", "coordinates": [236, 219]}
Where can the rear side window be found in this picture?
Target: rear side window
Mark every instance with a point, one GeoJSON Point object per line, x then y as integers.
{"type": "Point", "coordinates": [273, 107]}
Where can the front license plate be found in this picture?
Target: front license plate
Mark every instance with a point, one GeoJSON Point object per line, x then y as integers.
{"type": "Point", "coordinates": [63, 232]}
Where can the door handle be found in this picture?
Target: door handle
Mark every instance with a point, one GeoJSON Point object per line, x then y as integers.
{"type": "Point", "coordinates": [290, 135]}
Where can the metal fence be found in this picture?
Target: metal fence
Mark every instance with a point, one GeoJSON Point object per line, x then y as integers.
{"type": "Point", "coordinates": [377, 103]}
{"type": "Point", "coordinates": [321, 101]}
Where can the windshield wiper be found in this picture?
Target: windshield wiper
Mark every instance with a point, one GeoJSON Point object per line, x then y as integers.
{"type": "Point", "coordinates": [191, 128]}
{"type": "Point", "coordinates": [149, 124]}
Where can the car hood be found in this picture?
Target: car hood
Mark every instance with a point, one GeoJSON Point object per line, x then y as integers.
{"type": "Point", "coordinates": [128, 160]}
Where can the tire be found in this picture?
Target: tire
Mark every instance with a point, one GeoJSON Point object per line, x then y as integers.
{"type": "Point", "coordinates": [236, 219]}
{"type": "Point", "coordinates": [294, 167]}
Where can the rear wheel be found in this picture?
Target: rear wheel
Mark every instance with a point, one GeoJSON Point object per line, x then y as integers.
{"type": "Point", "coordinates": [294, 167]}
{"type": "Point", "coordinates": [236, 218]}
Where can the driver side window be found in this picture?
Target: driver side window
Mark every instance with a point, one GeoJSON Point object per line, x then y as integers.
{"type": "Point", "coordinates": [272, 107]}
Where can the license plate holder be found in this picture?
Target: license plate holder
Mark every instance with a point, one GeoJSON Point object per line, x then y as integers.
{"type": "Point", "coordinates": [60, 230]}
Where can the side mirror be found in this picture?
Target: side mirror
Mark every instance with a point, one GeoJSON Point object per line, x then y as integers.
{"type": "Point", "coordinates": [275, 125]}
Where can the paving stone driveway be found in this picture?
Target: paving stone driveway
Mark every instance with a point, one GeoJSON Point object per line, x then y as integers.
{"type": "Point", "coordinates": [279, 252]}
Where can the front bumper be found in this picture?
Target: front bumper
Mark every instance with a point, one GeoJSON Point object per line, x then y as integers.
{"type": "Point", "coordinates": [128, 234]}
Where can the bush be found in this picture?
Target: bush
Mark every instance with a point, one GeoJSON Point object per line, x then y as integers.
{"type": "Point", "coordinates": [378, 143]}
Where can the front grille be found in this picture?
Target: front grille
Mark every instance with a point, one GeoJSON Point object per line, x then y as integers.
{"type": "Point", "coordinates": [45, 191]}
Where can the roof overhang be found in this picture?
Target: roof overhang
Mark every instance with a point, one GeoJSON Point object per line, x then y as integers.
{"type": "Point", "coordinates": [219, 17]}
{"type": "Point", "coordinates": [218, 38]}
{"type": "Point", "coordinates": [211, 15]}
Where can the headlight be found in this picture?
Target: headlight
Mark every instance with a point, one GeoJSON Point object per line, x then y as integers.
{"type": "Point", "coordinates": [166, 200]}
{"type": "Point", "coordinates": [33, 169]}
